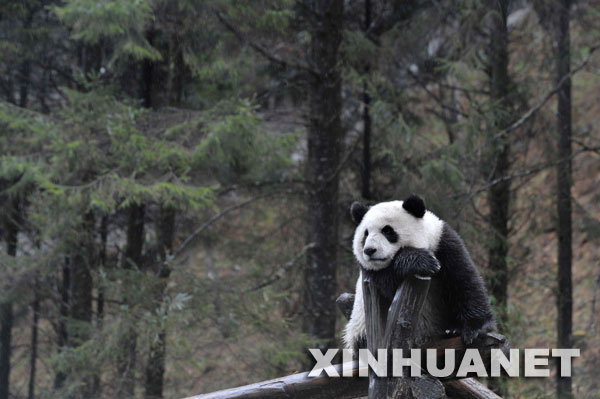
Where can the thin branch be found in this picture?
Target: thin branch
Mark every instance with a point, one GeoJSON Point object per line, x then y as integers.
{"type": "Point", "coordinates": [434, 96]}
{"type": "Point", "coordinates": [281, 272]}
{"type": "Point", "coordinates": [592, 325]}
{"type": "Point", "coordinates": [532, 171]}
{"type": "Point", "coordinates": [261, 50]}
{"type": "Point", "coordinates": [586, 147]}
{"type": "Point", "coordinates": [552, 92]}
{"type": "Point", "coordinates": [192, 237]}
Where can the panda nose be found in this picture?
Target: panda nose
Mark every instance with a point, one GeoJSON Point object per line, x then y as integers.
{"type": "Point", "coordinates": [369, 251]}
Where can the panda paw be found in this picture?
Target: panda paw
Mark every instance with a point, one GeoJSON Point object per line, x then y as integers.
{"type": "Point", "coordinates": [469, 335]}
{"type": "Point", "coordinates": [453, 332]}
{"type": "Point", "coordinates": [415, 261]}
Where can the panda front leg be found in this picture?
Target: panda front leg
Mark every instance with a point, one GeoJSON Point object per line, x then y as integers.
{"type": "Point", "coordinates": [407, 262]}
{"type": "Point", "coordinates": [410, 261]}
{"type": "Point", "coordinates": [356, 331]}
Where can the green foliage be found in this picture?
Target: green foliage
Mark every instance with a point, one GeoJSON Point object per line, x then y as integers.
{"type": "Point", "coordinates": [124, 22]}
{"type": "Point", "coordinates": [236, 145]}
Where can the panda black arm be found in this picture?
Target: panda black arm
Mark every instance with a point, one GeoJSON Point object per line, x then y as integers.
{"type": "Point", "coordinates": [411, 261]}
{"type": "Point", "coordinates": [464, 287]}
{"type": "Point", "coordinates": [407, 262]}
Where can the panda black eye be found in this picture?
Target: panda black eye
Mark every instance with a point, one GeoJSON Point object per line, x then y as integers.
{"type": "Point", "coordinates": [366, 233]}
{"type": "Point", "coordinates": [389, 233]}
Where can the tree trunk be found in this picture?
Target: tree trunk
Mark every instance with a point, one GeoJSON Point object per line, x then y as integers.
{"type": "Point", "coordinates": [6, 308]}
{"type": "Point", "coordinates": [324, 146]}
{"type": "Point", "coordinates": [5, 348]}
{"type": "Point", "coordinates": [61, 333]}
{"type": "Point", "coordinates": [25, 75]}
{"type": "Point", "coordinates": [178, 72]}
{"type": "Point", "coordinates": [35, 307]}
{"type": "Point", "coordinates": [366, 170]}
{"type": "Point", "coordinates": [81, 311]}
{"type": "Point", "coordinates": [148, 70]}
{"type": "Point", "coordinates": [155, 369]}
{"type": "Point", "coordinates": [563, 200]}
{"type": "Point", "coordinates": [96, 385]}
{"type": "Point", "coordinates": [499, 194]}
{"type": "Point", "coordinates": [127, 355]}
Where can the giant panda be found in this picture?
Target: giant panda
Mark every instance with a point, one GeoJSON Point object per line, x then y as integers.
{"type": "Point", "coordinates": [397, 239]}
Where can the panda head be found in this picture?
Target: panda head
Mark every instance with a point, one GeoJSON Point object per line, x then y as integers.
{"type": "Point", "coordinates": [384, 228]}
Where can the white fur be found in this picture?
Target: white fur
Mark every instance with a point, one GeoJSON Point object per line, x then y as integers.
{"type": "Point", "coordinates": [356, 325]}
{"type": "Point", "coordinates": [414, 232]}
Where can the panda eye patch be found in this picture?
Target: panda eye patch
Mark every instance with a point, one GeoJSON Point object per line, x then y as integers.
{"type": "Point", "coordinates": [366, 233]}
{"type": "Point", "coordinates": [390, 233]}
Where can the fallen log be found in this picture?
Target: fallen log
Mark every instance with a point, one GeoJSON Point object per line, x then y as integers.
{"type": "Point", "coordinates": [300, 386]}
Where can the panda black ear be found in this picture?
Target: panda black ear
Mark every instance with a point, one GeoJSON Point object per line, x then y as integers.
{"type": "Point", "coordinates": [414, 205]}
{"type": "Point", "coordinates": [357, 211]}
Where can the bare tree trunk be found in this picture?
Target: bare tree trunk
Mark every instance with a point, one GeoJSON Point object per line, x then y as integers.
{"type": "Point", "coordinates": [97, 383]}
{"type": "Point", "coordinates": [5, 348]}
{"type": "Point", "coordinates": [563, 200]}
{"type": "Point", "coordinates": [148, 72]}
{"type": "Point", "coordinates": [61, 333]}
{"type": "Point", "coordinates": [366, 164]}
{"type": "Point", "coordinates": [499, 195]}
{"type": "Point", "coordinates": [127, 356]}
{"type": "Point", "coordinates": [155, 368]}
{"type": "Point", "coordinates": [25, 66]}
{"type": "Point", "coordinates": [25, 76]}
{"type": "Point", "coordinates": [324, 147]}
{"type": "Point", "coordinates": [35, 307]}
{"type": "Point", "coordinates": [83, 259]}
{"type": "Point", "coordinates": [6, 308]}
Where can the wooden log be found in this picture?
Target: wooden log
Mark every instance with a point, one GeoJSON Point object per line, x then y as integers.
{"type": "Point", "coordinates": [484, 343]}
{"type": "Point", "coordinates": [298, 386]}
{"type": "Point", "coordinates": [468, 388]}
{"type": "Point", "coordinates": [393, 328]}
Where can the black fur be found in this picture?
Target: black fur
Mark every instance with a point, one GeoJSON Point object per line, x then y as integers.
{"type": "Point", "coordinates": [357, 211]}
{"type": "Point", "coordinates": [407, 262]}
{"type": "Point", "coordinates": [414, 205]}
{"type": "Point", "coordinates": [390, 234]}
{"type": "Point", "coordinates": [465, 292]}
{"type": "Point", "coordinates": [457, 286]}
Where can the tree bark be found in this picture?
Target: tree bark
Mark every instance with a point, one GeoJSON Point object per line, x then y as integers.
{"type": "Point", "coordinates": [80, 306]}
{"type": "Point", "coordinates": [62, 333]}
{"type": "Point", "coordinates": [6, 308]}
{"type": "Point", "coordinates": [35, 307]}
{"type": "Point", "coordinates": [127, 356]}
{"type": "Point", "coordinates": [366, 164]}
{"type": "Point", "coordinates": [97, 383]}
{"type": "Point", "coordinates": [563, 200]}
{"type": "Point", "coordinates": [324, 147]}
{"type": "Point", "coordinates": [25, 65]}
{"type": "Point", "coordinates": [25, 72]}
{"type": "Point", "coordinates": [148, 71]}
{"type": "Point", "coordinates": [499, 195]}
{"type": "Point", "coordinates": [155, 368]}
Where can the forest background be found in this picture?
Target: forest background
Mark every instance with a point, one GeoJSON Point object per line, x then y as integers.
{"type": "Point", "coordinates": [175, 178]}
